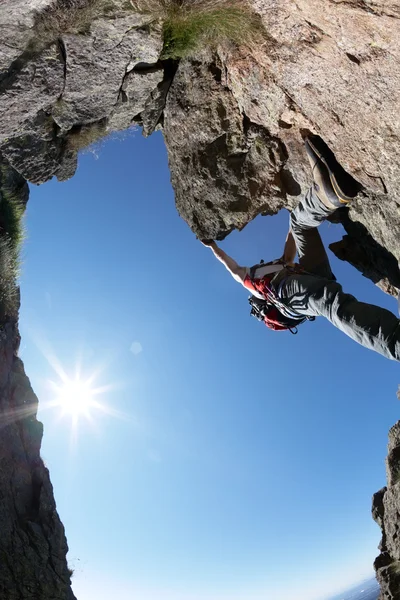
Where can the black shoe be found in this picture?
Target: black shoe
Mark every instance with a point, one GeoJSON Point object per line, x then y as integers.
{"type": "Point", "coordinates": [333, 185]}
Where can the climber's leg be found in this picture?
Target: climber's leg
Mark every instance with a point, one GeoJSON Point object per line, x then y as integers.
{"type": "Point", "coordinates": [304, 220]}
{"type": "Point", "coordinates": [332, 188]}
{"type": "Point", "coordinates": [371, 326]}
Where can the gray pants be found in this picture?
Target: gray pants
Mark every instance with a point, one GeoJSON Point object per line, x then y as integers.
{"type": "Point", "coordinates": [317, 293]}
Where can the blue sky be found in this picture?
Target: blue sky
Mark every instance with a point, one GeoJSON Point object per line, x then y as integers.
{"type": "Point", "coordinates": [234, 463]}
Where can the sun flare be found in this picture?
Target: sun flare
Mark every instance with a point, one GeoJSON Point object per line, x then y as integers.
{"type": "Point", "coordinates": [78, 397]}
{"type": "Point", "coordinates": [75, 397]}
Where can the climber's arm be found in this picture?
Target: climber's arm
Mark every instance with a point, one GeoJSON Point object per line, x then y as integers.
{"type": "Point", "coordinates": [239, 273]}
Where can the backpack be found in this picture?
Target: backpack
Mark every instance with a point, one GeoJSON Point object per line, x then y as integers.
{"type": "Point", "coordinates": [269, 314]}
{"type": "Point", "coordinates": [271, 309]}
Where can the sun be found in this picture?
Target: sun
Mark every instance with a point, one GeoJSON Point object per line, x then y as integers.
{"type": "Point", "coordinates": [80, 397]}
{"type": "Point", "coordinates": [75, 397]}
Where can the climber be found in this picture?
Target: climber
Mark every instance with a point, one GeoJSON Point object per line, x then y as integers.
{"type": "Point", "coordinates": [292, 292]}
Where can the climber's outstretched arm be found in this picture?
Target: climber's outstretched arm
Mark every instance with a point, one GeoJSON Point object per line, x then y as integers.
{"type": "Point", "coordinates": [239, 273]}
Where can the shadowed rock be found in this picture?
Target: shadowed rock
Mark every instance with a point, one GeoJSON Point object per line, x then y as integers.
{"type": "Point", "coordinates": [33, 546]}
{"type": "Point", "coordinates": [385, 511]}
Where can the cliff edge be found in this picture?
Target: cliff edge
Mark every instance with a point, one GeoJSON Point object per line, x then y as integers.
{"type": "Point", "coordinates": [33, 546]}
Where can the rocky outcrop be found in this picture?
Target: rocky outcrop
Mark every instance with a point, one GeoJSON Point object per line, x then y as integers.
{"type": "Point", "coordinates": [32, 541]}
{"type": "Point", "coordinates": [234, 122]}
{"type": "Point", "coordinates": [55, 88]}
{"type": "Point", "coordinates": [385, 511]}
{"type": "Point", "coordinates": [234, 125]}
{"type": "Point", "coordinates": [33, 546]}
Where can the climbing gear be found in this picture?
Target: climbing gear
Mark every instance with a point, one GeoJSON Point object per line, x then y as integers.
{"type": "Point", "coordinates": [270, 308]}
{"type": "Point", "coordinates": [268, 313]}
{"type": "Point", "coordinates": [272, 267]}
{"type": "Point", "coordinates": [333, 185]}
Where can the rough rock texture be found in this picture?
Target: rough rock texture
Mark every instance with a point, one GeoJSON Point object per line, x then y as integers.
{"type": "Point", "coordinates": [234, 123]}
{"type": "Point", "coordinates": [386, 511]}
{"type": "Point", "coordinates": [32, 541]}
{"type": "Point", "coordinates": [49, 93]}
{"type": "Point", "coordinates": [16, 21]}
{"type": "Point", "coordinates": [105, 61]}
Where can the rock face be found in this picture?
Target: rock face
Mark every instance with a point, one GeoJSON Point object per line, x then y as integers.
{"type": "Point", "coordinates": [234, 125]}
{"type": "Point", "coordinates": [233, 122]}
{"type": "Point", "coordinates": [32, 541]}
{"type": "Point", "coordinates": [385, 511]}
{"type": "Point", "coordinates": [53, 89]}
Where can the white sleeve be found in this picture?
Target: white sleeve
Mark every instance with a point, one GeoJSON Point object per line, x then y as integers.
{"type": "Point", "coordinates": [262, 271]}
{"type": "Point", "coordinates": [241, 278]}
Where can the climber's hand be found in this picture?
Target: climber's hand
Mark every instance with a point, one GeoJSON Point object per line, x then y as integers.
{"type": "Point", "coordinates": [208, 243]}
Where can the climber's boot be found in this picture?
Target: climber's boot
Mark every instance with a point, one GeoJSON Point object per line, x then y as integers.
{"type": "Point", "coordinates": [333, 186]}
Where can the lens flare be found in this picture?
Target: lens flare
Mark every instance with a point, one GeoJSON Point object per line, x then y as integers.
{"type": "Point", "coordinates": [75, 397]}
